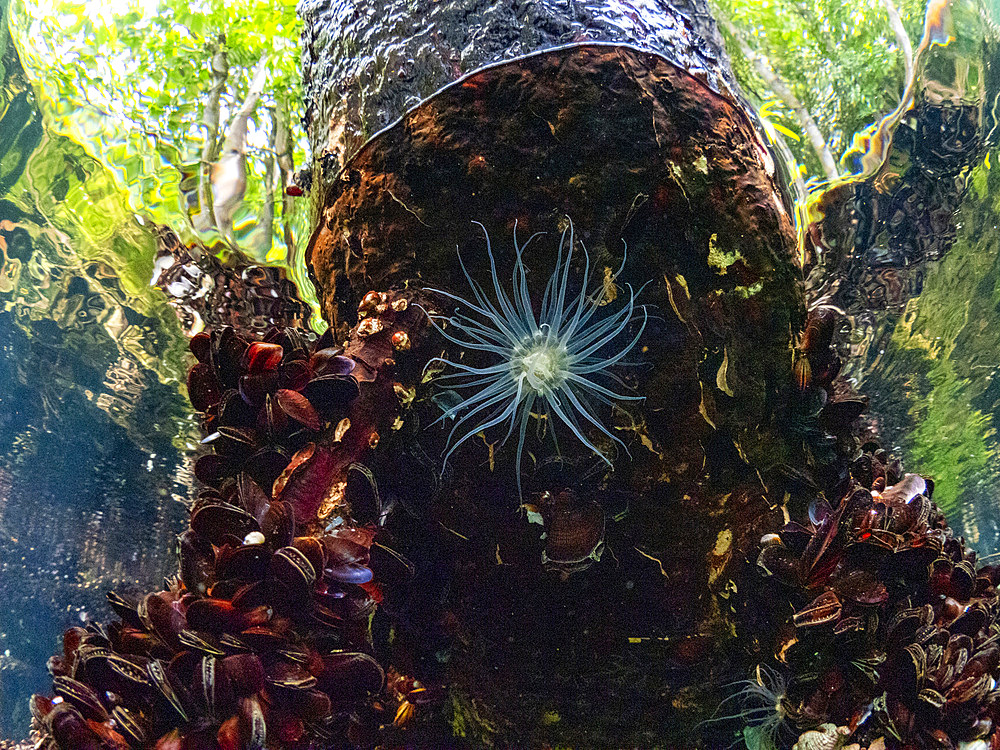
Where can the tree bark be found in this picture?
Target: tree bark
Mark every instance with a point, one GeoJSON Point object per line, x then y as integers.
{"type": "Point", "coordinates": [640, 140]}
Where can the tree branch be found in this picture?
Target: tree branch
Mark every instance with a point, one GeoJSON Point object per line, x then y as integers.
{"type": "Point", "coordinates": [781, 89]}
{"type": "Point", "coordinates": [210, 124]}
{"type": "Point", "coordinates": [902, 38]}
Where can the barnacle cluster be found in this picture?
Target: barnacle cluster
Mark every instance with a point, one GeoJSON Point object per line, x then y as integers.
{"type": "Point", "coordinates": [550, 362]}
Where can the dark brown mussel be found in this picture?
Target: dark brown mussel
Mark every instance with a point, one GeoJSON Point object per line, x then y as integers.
{"type": "Point", "coordinates": [264, 638]}
{"type": "Point", "coordinates": [331, 395]}
{"type": "Point", "coordinates": [202, 642]}
{"type": "Point", "coordinates": [168, 690]}
{"type": "Point", "coordinates": [201, 347]}
{"type": "Point", "coordinates": [350, 676]}
{"type": "Point", "coordinates": [248, 562]}
{"type": "Point", "coordinates": [298, 407]}
{"type": "Point", "coordinates": [213, 469]}
{"type": "Point", "coordinates": [81, 696]}
{"type": "Point", "coordinates": [213, 689]}
{"type": "Point", "coordinates": [125, 608]}
{"type": "Point", "coordinates": [40, 707]}
{"type": "Point", "coordinates": [290, 675]}
{"type": "Point", "coordinates": [278, 525]}
{"type": "Point", "coordinates": [197, 562]}
{"type": "Point", "coordinates": [161, 617]}
{"type": "Point", "coordinates": [312, 548]}
{"type": "Point", "coordinates": [575, 532]}
{"type": "Point", "coordinates": [132, 725]}
{"type": "Point", "coordinates": [70, 730]}
{"type": "Point", "coordinates": [245, 673]}
{"type": "Point", "coordinates": [972, 621]}
{"type": "Point", "coordinates": [253, 499]}
{"type": "Point", "coordinates": [255, 726]}
{"type": "Point", "coordinates": [214, 616]}
{"type": "Point", "coordinates": [216, 520]}
{"type": "Point", "coordinates": [203, 387]}
{"type": "Point", "coordinates": [266, 465]}
{"type": "Point", "coordinates": [129, 640]}
{"type": "Point", "coordinates": [291, 577]}
{"type": "Point", "coordinates": [824, 609]}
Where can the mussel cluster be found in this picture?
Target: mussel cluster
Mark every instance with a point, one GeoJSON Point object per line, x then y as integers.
{"type": "Point", "coordinates": [262, 401]}
{"type": "Point", "coordinates": [880, 618]}
{"type": "Point", "coordinates": [263, 639]}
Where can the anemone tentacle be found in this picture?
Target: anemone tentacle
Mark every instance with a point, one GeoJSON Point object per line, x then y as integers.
{"type": "Point", "coordinates": [548, 359]}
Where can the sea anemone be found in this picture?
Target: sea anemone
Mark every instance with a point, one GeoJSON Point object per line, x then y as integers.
{"type": "Point", "coordinates": [758, 704]}
{"type": "Point", "coordinates": [547, 363]}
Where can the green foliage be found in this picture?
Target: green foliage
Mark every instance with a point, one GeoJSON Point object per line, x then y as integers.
{"type": "Point", "coordinates": [840, 59]}
{"type": "Point", "coordinates": [130, 84]}
{"type": "Point", "coordinates": [936, 390]}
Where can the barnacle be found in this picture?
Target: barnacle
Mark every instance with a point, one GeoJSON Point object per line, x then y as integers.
{"type": "Point", "coordinates": [545, 364]}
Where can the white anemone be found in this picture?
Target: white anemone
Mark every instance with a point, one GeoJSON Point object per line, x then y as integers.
{"type": "Point", "coordinates": [547, 364]}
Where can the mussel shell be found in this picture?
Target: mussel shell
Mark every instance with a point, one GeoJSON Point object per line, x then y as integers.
{"type": "Point", "coordinates": [245, 673]}
{"type": "Point", "coordinates": [972, 621]}
{"type": "Point", "coordinates": [575, 532]}
{"type": "Point", "coordinates": [214, 616]}
{"type": "Point", "coordinates": [170, 692]}
{"type": "Point", "coordinates": [779, 561]}
{"type": "Point", "coordinates": [291, 576]}
{"type": "Point", "coordinates": [356, 574]}
{"type": "Point", "coordinates": [202, 642]}
{"type": "Point", "coordinates": [312, 548]}
{"type": "Point", "coordinates": [201, 347]}
{"type": "Point", "coordinates": [40, 707]}
{"type": "Point", "coordinates": [350, 676]}
{"type": "Point", "coordinates": [203, 387]}
{"type": "Point", "coordinates": [262, 356]}
{"type": "Point", "coordinates": [265, 466]}
{"type": "Point", "coordinates": [129, 640]}
{"type": "Point", "coordinates": [298, 407]}
{"type": "Point", "coordinates": [248, 562]}
{"type": "Point", "coordinates": [228, 350]}
{"type": "Point", "coordinates": [216, 520]}
{"type": "Point", "coordinates": [824, 609]}
{"type": "Point", "coordinates": [213, 688]}
{"type": "Point", "coordinates": [70, 730]}
{"type": "Point", "coordinates": [331, 395]}
{"type": "Point", "coordinates": [133, 725]}
{"type": "Point", "coordinates": [341, 551]}
{"type": "Point", "coordinates": [253, 499]}
{"type": "Point", "coordinates": [294, 375]}
{"type": "Point", "coordinates": [125, 608]}
{"type": "Point", "coordinates": [290, 676]}
{"type": "Point", "coordinates": [252, 718]}
{"type": "Point", "coordinates": [126, 675]}
{"type": "Point", "coordinates": [963, 580]}
{"type": "Point", "coordinates": [162, 618]}
{"type": "Point", "coordinates": [263, 638]}
{"type": "Point", "coordinates": [278, 525]}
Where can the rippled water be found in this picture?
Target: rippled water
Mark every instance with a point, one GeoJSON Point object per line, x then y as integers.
{"type": "Point", "coordinates": [96, 436]}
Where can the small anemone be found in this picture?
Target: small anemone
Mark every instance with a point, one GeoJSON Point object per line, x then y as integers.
{"type": "Point", "coordinates": [548, 364]}
{"type": "Point", "coordinates": [758, 706]}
